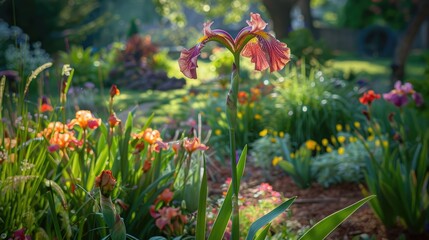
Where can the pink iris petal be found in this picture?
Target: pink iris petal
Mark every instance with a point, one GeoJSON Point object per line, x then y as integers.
{"type": "Point", "coordinates": [268, 51]}
{"type": "Point", "coordinates": [188, 61]}
{"type": "Point", "coordinates": [256, 22]}
{"type": "Point", "coordinates": [257, 56]}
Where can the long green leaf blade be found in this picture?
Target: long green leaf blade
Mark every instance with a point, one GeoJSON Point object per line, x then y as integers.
{"type": "Point", "coordinates": [201, 214]}
{"type": "Point", "coordinates": [225, 212]}
{"type": "Point", "coordinates": [262, 234]}
{"type": "Point", "coordinates": [267, 218]}
{"type": "Point", "coordinates": [324, 227]}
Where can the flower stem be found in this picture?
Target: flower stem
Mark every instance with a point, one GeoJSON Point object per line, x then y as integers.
{"type": "Point", "coordinates": [231, 112]}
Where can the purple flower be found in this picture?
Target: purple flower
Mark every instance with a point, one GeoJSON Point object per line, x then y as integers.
{"type": "Point", "coordinates": [399, 95]}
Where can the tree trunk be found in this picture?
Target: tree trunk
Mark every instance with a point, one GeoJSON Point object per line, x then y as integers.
{"type": "Point", "coordinates": [404, 46]}
{"type": "Point", "coordinates": [280, 13]}
{"type": "Point", "coordinates": [305, 7]}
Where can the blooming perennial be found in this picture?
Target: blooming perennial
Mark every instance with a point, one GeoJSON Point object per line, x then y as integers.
{"type": "Point", "coordinates": [263, 49]}
{"type": "Point", "coordinates": [399, 95]}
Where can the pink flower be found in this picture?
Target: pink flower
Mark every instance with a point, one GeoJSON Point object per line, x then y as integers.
{"type": "Point", "coordinates": [263, 49]}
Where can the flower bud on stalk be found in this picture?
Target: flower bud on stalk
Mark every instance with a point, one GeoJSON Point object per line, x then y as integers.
{"type": "Point", "coordinates": [106, 182]}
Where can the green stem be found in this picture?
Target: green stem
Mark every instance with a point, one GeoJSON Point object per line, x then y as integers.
{"type": "Point", "coordinates": [231, 110]}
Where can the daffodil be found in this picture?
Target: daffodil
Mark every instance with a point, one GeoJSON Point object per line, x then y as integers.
{"type": "Point", "coordinates": [263, 49]}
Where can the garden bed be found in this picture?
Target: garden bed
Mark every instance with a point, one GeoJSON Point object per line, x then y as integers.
{"type": "Point", "coordinates": [312, 204]}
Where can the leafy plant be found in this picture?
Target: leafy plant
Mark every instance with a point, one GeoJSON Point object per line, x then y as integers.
{"type": "Point", "coordinates": [89, 65]}
{"type": "Point", "coordinates": [308, 106]}
{"type": "Point", "coordinates": [399, 176]}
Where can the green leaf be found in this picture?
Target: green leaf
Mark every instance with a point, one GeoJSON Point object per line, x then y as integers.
{"type": "Point", "coordinates": [225, 211]}
{"type": "Point", "coordinates": [262, 233]}
{"type": "Point", "coordinates": [325, 226]}
{"type": "Point", "coordinates": [267, 218]}
{"type": "Point", "coordinates": [201, 214]}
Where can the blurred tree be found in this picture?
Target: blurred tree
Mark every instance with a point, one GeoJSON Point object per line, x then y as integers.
{"type": "Point", "coordinates": [233, 11]}
{"type": "Point", "coordinates": [404, 46]}
{"type": "Point", "coordinates": [58, 24]}
{"type": "Point", "coordinates": [44, 20]}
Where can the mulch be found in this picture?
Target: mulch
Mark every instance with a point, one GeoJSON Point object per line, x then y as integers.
{"type": "Point", "coordinates": [312, 204]}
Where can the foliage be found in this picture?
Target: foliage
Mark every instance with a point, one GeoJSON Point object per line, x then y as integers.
{"type": "Point", "coordinates": [399, 176]}
{"type": "Point", "coordinates": [59, 163]}
{"type": "Point", "coordinates": [90, 66]}
{"type": "Point", "coordinates": [344, 162]}
{"type": "Point", "coordinates": [315, 52]}
{"type": "Point", "coordinates": [175, 10]}
{"type": "Point", "coordinates": [298, 164]}
{"type": "Point", "coordinates": [308, 106]}
{"type": "Point", "coordinates": [268, 147]}
{"type": "Point", "coordinates": [136, 65]}
{"type": "Point", "coordinates": [359, 14]}
{"type": "Point", "coordinates": [17, 53]}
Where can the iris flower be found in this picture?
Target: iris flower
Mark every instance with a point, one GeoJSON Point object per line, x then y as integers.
{"type": "Point", "coordinates": [263, 49]}
{"type": "Point", "coordinates": [399, 95]}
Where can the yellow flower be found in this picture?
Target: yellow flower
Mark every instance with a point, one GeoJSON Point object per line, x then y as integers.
{"type": "Point", "coordinates": [352, 139]}
{"type": "Point", "coordinates": [218, 132]}
{"type": "Point", "coordinates": [276, 160]}
{"type": "Point", "coordinates": [333, 140]}
{"type": "Point", "coordinates": [385, 143]}
{"type": "Point", "coordinates": [339, 127]}
{"type": "Point", "coordinates": [263, 133]}
{"type": "Point", "coordinates": [377, 143]}
{"type": "Point", "coordinates": [281, 134]}
{"type": "Point", "coordinates": [318, 148]}
{"type": "Point", "coordinates": [325, 142]}
{"type": "Point", "coordinates": [370, 138]}
{"type": "Point", "coordinates": [239, 115]}
{"type": "Point", "coordinates": [273, 140]}
{"type": "Point", "coordinates": [356, 124]}
{"type": "Point", "coordinates": [258, 116]}
{"type": "Point", "coordinates": [292, 155]}
{"type": "Point", "coordinates": [370, 130]}
{"type": "Point", "coordinates": [341, 150]}
{"type": "Point", "coordinates": [328, 149]}
{"type": "Point", "coordinates": [341, 139]}
{"type": "Point", "coordinates": [311, 144]}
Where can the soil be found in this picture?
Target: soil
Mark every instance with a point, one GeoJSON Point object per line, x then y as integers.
{"type": "Point", "coordinates": [314, 203]}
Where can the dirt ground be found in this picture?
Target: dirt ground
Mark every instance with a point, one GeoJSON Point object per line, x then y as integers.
{"type": "Point", "coordinates": [314, 203]}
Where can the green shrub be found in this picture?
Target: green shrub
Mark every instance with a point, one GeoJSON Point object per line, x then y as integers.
{"type": "Point", "coordinates": [308, 106]}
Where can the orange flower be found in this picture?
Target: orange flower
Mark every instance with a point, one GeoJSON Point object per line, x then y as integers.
{"type": "Point", "coordinates": [114, 91]}
{"type": "Point", "coordinates": [59, 137]}
{"type": "Point", "coordinates": [45, 105]}
{"type": "Point", "coordinates": [256, 94]}
{"type": "Point", "coordinates": [85, 119]}
{"type": "Point", "coordinates": [242, 97]}
{"type": "Point", "coordinates": [166, 196]}
{"type": "Point", "coordinates": [106, 182]}
{"type": "Point", "coordinates": [149, 135]}
{"type": "Point", "coordinates": [113, 120]}
{"type": "Point", "coordinates": [194, 144]}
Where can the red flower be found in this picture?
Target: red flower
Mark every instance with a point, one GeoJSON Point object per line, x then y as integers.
{"type": "Point", "coordinates": [106, 182]}
{"type": "Point", "coordinates": [369, 97]}
{"type": "Point", "coordinates": [114, 91]}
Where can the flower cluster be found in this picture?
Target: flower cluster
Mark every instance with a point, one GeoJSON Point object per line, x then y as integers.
{"type": "Point", "coordinates": [59, 137]}
{"type": "Point", "coordinates": [169, 220]}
